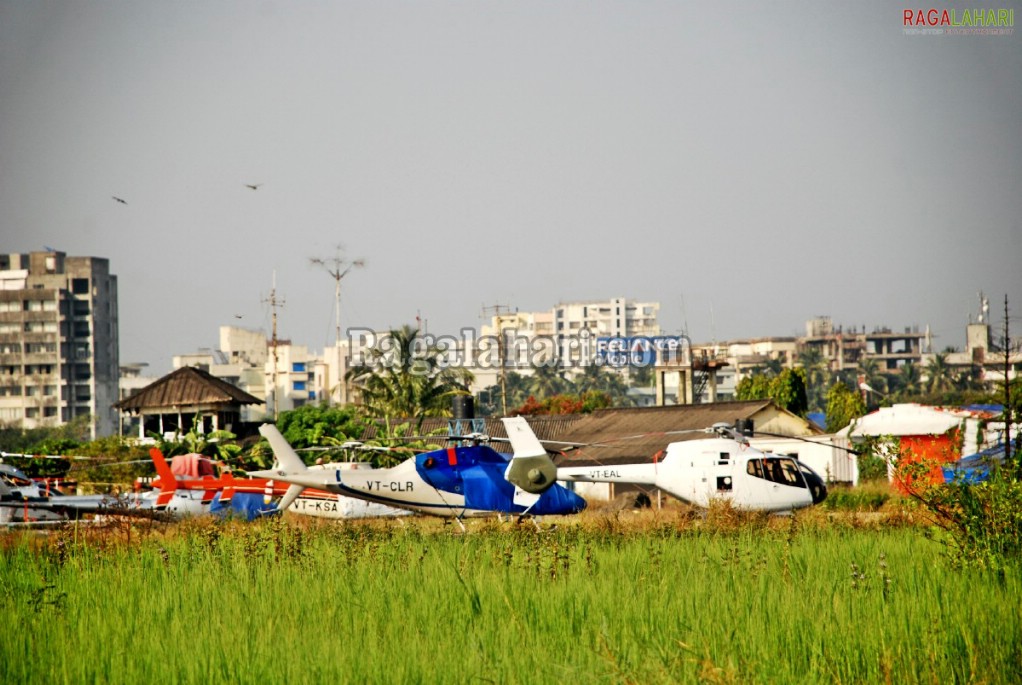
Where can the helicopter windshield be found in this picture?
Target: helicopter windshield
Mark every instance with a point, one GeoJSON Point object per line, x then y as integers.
{"type": "Point", "coordinates": [782, 470]}
{"type": "Point", "coordinates": [14, 478]}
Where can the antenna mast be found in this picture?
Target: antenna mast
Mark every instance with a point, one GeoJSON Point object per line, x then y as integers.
{"type": "Point", "coordinates": [338, 268]}
{"type": "Point", "coordinates": [274, 303]}
{"type": "Point", "coordinates": [500, 312]}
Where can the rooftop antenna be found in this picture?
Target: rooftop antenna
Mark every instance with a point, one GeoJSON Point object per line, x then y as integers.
{"type": "Point", "coordinates": [338, 267]}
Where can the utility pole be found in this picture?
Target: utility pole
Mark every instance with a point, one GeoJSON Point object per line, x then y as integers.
{"type": "Point", "coordinates": [338, 268]}
{"type": "Point", "coordinates": [500, 312]}
{"type": "Point", "coordinates": [1007, 396]}
{"type": "Point", "coordinates": [274, 303]}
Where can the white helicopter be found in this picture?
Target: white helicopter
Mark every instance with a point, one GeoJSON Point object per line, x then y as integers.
{"type": "Point", "coordinates": [723, 468]}
{"type": "Point", "coordinates": [22, 501]}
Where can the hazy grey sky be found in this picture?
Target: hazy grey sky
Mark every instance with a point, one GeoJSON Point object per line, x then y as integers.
{"type": "Point", "coordinates": [748, 165]}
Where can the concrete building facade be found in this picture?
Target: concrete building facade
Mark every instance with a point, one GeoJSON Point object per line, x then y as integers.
{"type": "Point", "coordinates": [59, 353]}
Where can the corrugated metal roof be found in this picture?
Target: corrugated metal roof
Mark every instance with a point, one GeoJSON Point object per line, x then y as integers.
{"type": "Point", "coordinates": [634, 435]}
{"type": "Point", "coordinates": [186, 387]}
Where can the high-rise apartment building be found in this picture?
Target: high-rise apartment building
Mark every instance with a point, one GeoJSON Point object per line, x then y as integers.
{"type": "Point", "coordinates": [58, 341]}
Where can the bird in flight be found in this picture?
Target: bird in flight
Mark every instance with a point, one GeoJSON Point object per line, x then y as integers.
{"type": "Point", "coordinates": [253, 186]}
{"type": "Point", "coordinates": [123, 202]}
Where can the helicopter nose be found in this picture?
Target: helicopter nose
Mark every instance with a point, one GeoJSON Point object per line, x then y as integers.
{"type": "Point", "coordinates": [816, 487]}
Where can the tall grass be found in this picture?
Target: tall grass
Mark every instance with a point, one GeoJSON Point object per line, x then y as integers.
{"type": "Point", "coordinates": [748, 600]}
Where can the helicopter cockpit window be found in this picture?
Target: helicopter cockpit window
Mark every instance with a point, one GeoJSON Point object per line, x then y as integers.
{"type": "Point", "coordinates": [780, 470]}
{"type": "Point", "coordinates": [15, 480]}
{"type": "Point", "coordinates": [755, 468]}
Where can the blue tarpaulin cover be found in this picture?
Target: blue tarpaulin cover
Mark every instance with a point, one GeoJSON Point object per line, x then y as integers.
{"type": "Point", "coordinates": [974, 468]}
{"type": "Point", "coordinates": [244, 505]}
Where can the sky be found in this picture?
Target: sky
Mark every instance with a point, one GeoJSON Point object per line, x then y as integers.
{"type": "Point", "coordinates": [747, 165]}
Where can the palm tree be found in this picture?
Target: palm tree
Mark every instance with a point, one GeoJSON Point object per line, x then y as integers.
{"type": "Point", "coordinates": [517, 389]}
{"type": "Point", "coordinates": [773, 367]}
{"type": "Point", "coordinates": [941, 376]}
{"type": "Point", "coordinates": [909, 380]}
{"type": "Point", "coordinates": [872, 374]}
{"type": "Point", "coordinates": [595, 378]}
{"type": "Point", "coordinates": [547, 381]}
{"type": "Point", "coordinates": [817, 372]}
{"type": "Point", "coordinates": [405, 377]}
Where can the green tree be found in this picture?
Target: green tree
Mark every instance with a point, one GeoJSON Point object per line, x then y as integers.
{"type": "Point", "coordinates": [843, 405]}
{"type": "Point", "coordinates": [787, 390]}
{"type": "Point", "coordinates": [405, 376]}
{"type": "Point", "coordinates": [320, 425]}
{"type": "Point", "coordinates": [754, 387]}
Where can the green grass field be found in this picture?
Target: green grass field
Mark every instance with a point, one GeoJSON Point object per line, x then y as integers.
{"type": "Point", "coordinates": [611, 598]}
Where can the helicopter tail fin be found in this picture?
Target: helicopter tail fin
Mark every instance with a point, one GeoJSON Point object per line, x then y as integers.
{"type": "Point", "coordinates": [168, 482]}
{"type": "Point", "coordinates": [288, 465]}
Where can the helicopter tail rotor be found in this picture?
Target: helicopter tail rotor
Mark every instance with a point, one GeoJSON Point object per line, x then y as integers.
{"type": "Point", "coordinates": [531, 469]}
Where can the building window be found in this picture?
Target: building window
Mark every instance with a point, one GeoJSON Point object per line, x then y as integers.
{"type": "Point", "coordinates": [298, 367]}
{"type": "Point", "coordinates": [299, 385]}
{"type": "Point", "coordinates": [80, 286]}
{"type": "Point", "coordinates": [81, 308]}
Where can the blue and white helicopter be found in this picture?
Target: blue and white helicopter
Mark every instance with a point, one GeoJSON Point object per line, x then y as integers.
{"type": "Point", "coordinates": [453, 482]}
